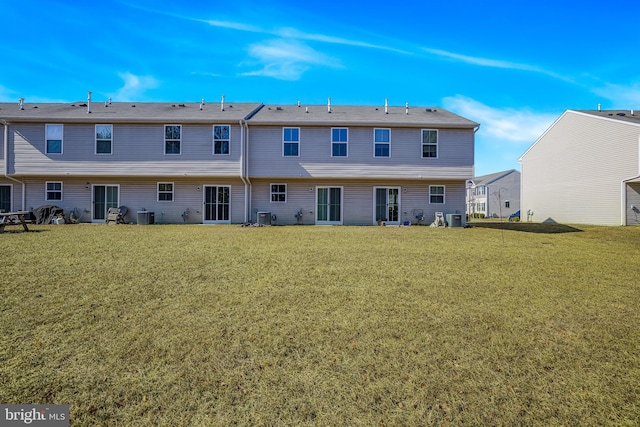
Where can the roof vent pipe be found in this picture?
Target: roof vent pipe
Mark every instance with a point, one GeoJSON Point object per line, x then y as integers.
{"type": "Point", "coordinates": [21, 103]}
{"type": "Point", "coordinates": [632, 112]}
{"type": "Point", "coordinates": [328, 105]}
{"type": "Point", "coordinates": [202, 103]}
{"type": "Point", "coordinates": [306, 109]}
{"type": "Point", "coordinates": [222, 104]}
{"type": "Point", "coordinates": [406, 108]}
{"type": "Point", "coordinates": [109, 100]}
{"type": "Point", "coordinates": [298, 104]}
{"type": "Point", "coordinates": [386, 105]}
{"type": "Point", "coordinates": [88, 102]}
{"type": "Point", "coordinates": [598, 106]}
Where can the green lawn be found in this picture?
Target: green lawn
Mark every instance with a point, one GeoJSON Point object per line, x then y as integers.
{"type": "Point", "coordinates": [281, 326]}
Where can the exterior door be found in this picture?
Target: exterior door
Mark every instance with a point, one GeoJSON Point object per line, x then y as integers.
{"type": "Point", "coordinates": [329, 206]}
{"type": "Point", "coordinates": [5, 198]}
{"type": "Point", "coordinates": [387, 205]}
{"type": "Point", "coordinates": [217, 203]}
{"type": "Point", "coordinates": [104, 197]}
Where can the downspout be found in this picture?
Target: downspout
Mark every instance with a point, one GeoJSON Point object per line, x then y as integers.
{"type": "Point", "coordinates": [244, 179]}
{"type": "Point", "coordinates": [6, 162]}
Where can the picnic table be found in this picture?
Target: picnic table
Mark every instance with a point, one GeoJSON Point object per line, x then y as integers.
{"type": "Point", "coordinates": [13, 218]}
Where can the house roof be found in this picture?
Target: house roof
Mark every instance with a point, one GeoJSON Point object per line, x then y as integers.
{"type": "Point", "coordinates": [490, 178]}
{"type": "Point", "coordinates": [360, 116]}
{"type": "Point", "coordinates": [136, 112]}
{"type": "Point", "coordinates": [628, 116]}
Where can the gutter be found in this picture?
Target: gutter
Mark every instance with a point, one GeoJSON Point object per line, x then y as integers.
{"type": "Point", "coordinates": [6, 163]}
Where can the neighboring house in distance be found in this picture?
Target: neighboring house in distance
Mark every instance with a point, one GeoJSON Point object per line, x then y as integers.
{"type": "Point", "coordinates": [228, 163]}
{"type": "Point", "coordinates": [585, 169]}
{"type": "Point", "coordinates": [494, 195]}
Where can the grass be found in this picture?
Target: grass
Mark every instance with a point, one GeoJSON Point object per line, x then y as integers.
{"type": "Point", "coordinates": [222, 325]}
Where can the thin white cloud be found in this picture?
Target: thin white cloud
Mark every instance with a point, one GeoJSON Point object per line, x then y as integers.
{"type": "Point", "coordinates": [507, 125]}
{"type": "Point", "coordinates": [620, 96]}
{"type": "Point", "coordinates": [286, 59]}
{"type": "Point", "coordinates": [494, 63]}
{"type": "Point", "coordinates": [134, 86]}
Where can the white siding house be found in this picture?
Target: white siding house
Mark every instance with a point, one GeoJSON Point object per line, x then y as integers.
{"type": "Point", "coordinates": [585, 169]}
{"type": "Point", "coordinates": [496, 195]}
{"type": "Point", "coordinates": [228, 162]}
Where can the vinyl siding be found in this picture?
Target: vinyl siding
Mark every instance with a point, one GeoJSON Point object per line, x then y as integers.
{"type": "Point", "coordinates": [2, 142]}
{"type": "Point", "coordinates": [633, 199]}
{"type": "Point", "coordinates": [358, 199]}
{"type": "Point", "coordinates": [137, 150]}
{"type": "Point", "coordinates": [140, 194]}
{"type": "Point", "coordinates": [508, 188]}
{"type": "Point", "coordinates": [573, 173]}
{"type": "Point", "coordinates": [455, 155]}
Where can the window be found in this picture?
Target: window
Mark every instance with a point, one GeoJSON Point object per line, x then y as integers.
{"type": "Point", "coordinates": [429, 143]}
{"type": "Point", "coordinates": [436, 194]}
{"type": "Point", "coordinates": [339, 140]}
{"type": "Point", "coordinates": [481, 207]}
{"type": "Point", "coordinates": [165, 191]}
{"type": "Point", "coordinates": [481, 190]}
{"type": "Point", "coordinates": [5, 198]}
{"type": "Point", "coordinates": [290, 142]}
{"type": "Point", "coordinates": [381, 142]}
{"type": "Point", "coordinates": [172, 139]}
{"type": "Point", "coordinates": [53, 191]}
{"type": "Point", "coordinates": [54, 139]}
{"type": "Point", "coordinates": [278, 192]}
{"type": "Point", "coordinates": [221, 138]}
{"type": "Point", "coordinates": [507, 204]}
{"type": "Point", "coordinates": [104, 137]}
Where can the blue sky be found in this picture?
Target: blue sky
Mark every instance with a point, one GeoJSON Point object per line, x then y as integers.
{"type": "Point", "coordinates": [512, 66]}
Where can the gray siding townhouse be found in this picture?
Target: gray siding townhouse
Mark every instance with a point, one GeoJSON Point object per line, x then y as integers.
{"type": "Point", "coordinates": [182, 161]}
{"type": "Point", "coordinates": [234, 162]}
{"type": "Point", "coordinates": [585, 169]}
{"type": "Point", "coordinates": [323, 164]}
{"type": "Point", "coordinates": [494, 195]}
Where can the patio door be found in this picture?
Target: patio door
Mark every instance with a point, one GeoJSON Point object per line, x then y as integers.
{"type": "Point", "coordinates": [104, 197]}
{"type": "Point", "coordinates": [217, 203]}
{"type": "Point", "coordinates": [329, 206]}
{"type": "Point", "coordinates": [387, 205]}
{"type": "Point", "coordinates": [5, 198]}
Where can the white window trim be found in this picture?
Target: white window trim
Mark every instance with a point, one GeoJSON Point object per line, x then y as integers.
{"type": "Point", "coordinates": [46, 191]}
{"type": "Point", "coordinates": [318, 222]}
{"type": "Point", "coordinates": [290, 142]}
{"type": "Point", "coordinates": [271, 193]}
{"type": "Point", "coordinates": [213, 146]}
{"type": "Point", "coordinates": [340, 142]}
{"type": "Point", "coordinates": [376, 142]}
{"type": "Point", "coordinates": [96, 140]}
{"type": "Point", "coordinates": [444, 194]}
{"type": "Point", "coordinates": [46, 139]}
{"type": "Point", "coordinates": [173, 192]}
{"type": "Point", "coordinates": [164, 140]}
{"type": "Point", "coordinates": [437, 144]}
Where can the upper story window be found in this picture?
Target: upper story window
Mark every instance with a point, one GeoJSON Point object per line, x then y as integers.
{"type": "Point", "coordinates": [165, 191]}
{"type": "Point", "coordinates": [53, 191]}
{"type": "Point", "coordinates": [429, 143]}
{"type": "Point", "coordinates": [54, 139]}
{"type": "Point", "coordinates": [436, 194]}
{"type": "Point", "coordinates": [480, 191]}
{"type": "Point", "coordinates": [278, 192]}
{"type": "Point", "coordinates": [221, 139]}
{"type": "Point", "coordinates": [382, 142]}
{"type": "Point", "coordinates": [290, 142]}
{"type": "Point", "coordinates": [104, 139]}
{"type": "Point", "coordinates": [339, 141]}
{"type": "Point", "coordinates": [172, 139]}
{"type": "Point", "coordinates": [507, 204]}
